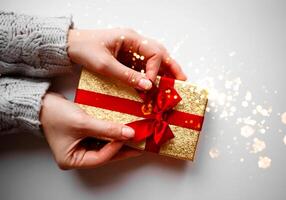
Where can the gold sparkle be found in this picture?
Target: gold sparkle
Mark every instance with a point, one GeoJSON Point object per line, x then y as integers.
{"type": "Point", "coordinates": [142, 57]}
{"type": "Point", "coordinates": [167, 59]}
{"type": "Point", "coordinates": [168, 91]}
{"type": "Point", "coordinates": [283, 118]}
{"type": "Point", "coordinates": [214, 153]}
{"type": "Point", "coordinates": [246, 131]}
{"type": "Point", "coordinates": [258, 145]}
{"type": "Point", "coordinates": [144, 41]}
{"type": "Point", "coordinates": [147, 109]}
{"type": "Point", "coordinates": [264, 162]}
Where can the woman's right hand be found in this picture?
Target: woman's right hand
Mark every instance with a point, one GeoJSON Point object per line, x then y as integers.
{"type": "Point", "coordinates": [99, 50]}
{"type": "Point", "coordinates": [66, 127]}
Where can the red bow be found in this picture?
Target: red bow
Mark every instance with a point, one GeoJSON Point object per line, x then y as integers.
{"type": "Point", "coordinates": [158, 104]}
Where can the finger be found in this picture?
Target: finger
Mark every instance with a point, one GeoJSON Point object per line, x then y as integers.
{"type": "Point", "coordinates": [114, 68]}
{"type": "Point", "coordinates": [93, 159]}
{"type": "Point", "coordinates": [148, 49]}
{"type": "Point", "coordinates": [109, 66]}
{"type": "Point", "coordinates": [152, 66]}
{"type": "Point", "coordinates": [174, 67]}
{"type": "Point", "coordinates": [106, 129]}
{"type": "Point", "coordinates": [153, 53]}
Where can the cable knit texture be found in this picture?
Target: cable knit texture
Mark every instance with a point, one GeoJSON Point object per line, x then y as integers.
{"type": "Point", "coordinates": [29, 46]}
{"type": "Point", "coordinates": [33, 46]}
{"type": "Point", "coordinates": [20, 103]}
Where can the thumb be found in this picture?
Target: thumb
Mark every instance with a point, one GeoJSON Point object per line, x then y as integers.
{"type": "Point", "coordinates": [106, 129]}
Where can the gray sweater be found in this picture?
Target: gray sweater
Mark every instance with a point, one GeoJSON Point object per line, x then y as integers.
{"type": "Point", "coordinates": [32, 49]}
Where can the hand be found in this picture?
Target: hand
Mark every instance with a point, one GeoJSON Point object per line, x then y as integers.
{"type": "Point", "coordinates": [102, 50]}
{"type": "Point", "coordinates": [69, 132]}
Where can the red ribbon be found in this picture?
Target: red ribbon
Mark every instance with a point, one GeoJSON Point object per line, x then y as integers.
{"type": "Point", "coordinates": [157, 110]}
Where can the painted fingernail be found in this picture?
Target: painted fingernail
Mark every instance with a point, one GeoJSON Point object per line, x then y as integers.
{"type": "Point", "coordinates": [128, 132]}
{"type": "Point", "coordinates": [145, 84]}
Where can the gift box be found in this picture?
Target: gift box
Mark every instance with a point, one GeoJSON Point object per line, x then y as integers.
{"type": "Point", "coordinates": [167, 119]}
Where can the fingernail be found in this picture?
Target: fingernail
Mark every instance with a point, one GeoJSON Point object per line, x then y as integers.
{"type": "Point", "coordinates": [145, 84]}
{"type": "Point", "coordinates": [128, 132]}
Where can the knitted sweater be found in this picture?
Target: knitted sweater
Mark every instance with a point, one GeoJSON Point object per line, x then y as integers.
{"type": "Point", "coordinates": [31, 50]}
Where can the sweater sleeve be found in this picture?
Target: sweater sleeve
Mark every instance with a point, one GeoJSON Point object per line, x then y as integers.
{"type": "Point", "coordinates": [20, 104]}
{"type": "Point", "coordinates": [33, 46]}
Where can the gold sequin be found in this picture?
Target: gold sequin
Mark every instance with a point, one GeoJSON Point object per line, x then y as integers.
{"type": "Point", "coordinates": [146, 109]}
{"type": "Point", "coordinates": [168, 91]}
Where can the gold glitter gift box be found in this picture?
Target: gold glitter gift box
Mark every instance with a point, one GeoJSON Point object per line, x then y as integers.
{"type": "Point", "coordinates": [194, 101]}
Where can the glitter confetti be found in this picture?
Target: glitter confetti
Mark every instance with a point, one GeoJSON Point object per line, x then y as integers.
{"type": "Point", "coordinates": [258, 145]}
{"type": "Point", "coordinates": [249, 121]}
{"type": "Point", "coordinates": [214, 153]}
{"type": "Point", "coordinates": [283, 118]}
{"type": "Point", "coordinates": [145, 42]}
{"type": "Point", "coordinates": [262, 111]}
{"type": "Point", "coordinates": [231, 54]}
{"type": "Point", "coordinates": [248, 96]}
{"type": "Point", "coordinates": [262, 130]}
{"type": "Point", "coordinates": [179, 44]}
{"type": "Point", "coordinates": [244, 104]}
{"type": "Point", "coordinates": [264, 162]}
{"type": "Point", "coordinates": [246, 131]}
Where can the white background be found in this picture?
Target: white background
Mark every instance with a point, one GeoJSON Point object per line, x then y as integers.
{"type": "Point", "coordinates": [219, 44]}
